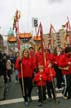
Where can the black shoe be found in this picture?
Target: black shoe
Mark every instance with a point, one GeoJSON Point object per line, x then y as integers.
{"type": "Point", "coordinates": [68, 97]}
{"type": "Point", "coordinates": [30, 99]}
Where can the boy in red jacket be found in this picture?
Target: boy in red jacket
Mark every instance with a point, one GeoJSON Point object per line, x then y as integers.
{"type": "Point", "coordinates": [50, 73]}
{"type": "Point", "coordinates": [40, 80]}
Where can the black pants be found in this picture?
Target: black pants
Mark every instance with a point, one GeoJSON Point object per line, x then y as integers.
{"type": "Point", "coordinates": [59, 76]}
{"type": "Point", "coordinates": [67, 90]}
{"type": "Point", "coordinates": [42, 93]}
{"type": "Point", "coordinates": [9, 74]}
{"type": "Point", "coordinates": [50, 90]}
{"type": "Point", "coordinates": [27, 85]}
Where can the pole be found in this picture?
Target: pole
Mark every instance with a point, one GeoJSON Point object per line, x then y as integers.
{"type": "Point", "coordinates": [41, 88]}
{"type": "Point", "coordinates": [53, 83]}
{"type": "Point", "coordinates": [53, 87]}
{"type": "Point", "coordinates": [16, 26]}
{"type": "Point", "coordinates": [42, 45]}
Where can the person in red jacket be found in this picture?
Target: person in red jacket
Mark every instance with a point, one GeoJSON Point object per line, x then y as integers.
{"type": "Point", "coordinates": [25, 68]}
{"type": "Point", "coordinates": [33, 57]}
{"type": "Point", "coordinates": [65, 65]}
{"type": "Point", "coordinates": [39, 57]}
{"type": "Point", "coordinates": [50, 73]}
{"type": "Point", "coordinates": [40, 80]}
{"type": "Point", "coordinates": [58, 52]}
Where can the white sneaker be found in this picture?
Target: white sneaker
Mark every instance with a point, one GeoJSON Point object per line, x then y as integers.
{"type": "Point", "coordinates": [26, 103]}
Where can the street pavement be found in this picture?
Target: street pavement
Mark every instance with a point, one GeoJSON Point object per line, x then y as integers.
{"type": "Point", "coordinates": [14, 98]}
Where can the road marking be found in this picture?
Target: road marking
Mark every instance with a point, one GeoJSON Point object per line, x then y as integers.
{"type": "Point", "coordinates": [12, 101]}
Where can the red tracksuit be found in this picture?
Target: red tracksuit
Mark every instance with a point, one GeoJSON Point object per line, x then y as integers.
{"type": "Point", "coordinates": [41, 85]}
{"type": "Point", "coordinates": [27, 74]}
{"type": "Point", "coordinates": [65, 61]}
{"type": "Point", "coordinates": [50, 73]}
{"type": "Point", "coordinates": [59, 75]}
{"type": "Point", "coordinates": [39, 58]}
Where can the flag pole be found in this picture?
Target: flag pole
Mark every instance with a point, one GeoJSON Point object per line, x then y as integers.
{"type": "Point", "coordinates": [16, 27]}
{"type": "Point", "coordinates": [53, 83]}
{"type": "Point", "coordinates": [42, 44]}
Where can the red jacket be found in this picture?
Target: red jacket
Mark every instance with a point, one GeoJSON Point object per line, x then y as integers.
{"type": "Point", "coordinates": [64, 62]}
{"type": "Point", "coordinates": [39, 58]}
{"type": "Point", "coordinates": [27, 68]}
{"type": "Point", "coordinates": [50, 73]}
{"type": "Point", "coordinates": [34, 61]}
{"type": "Point", "coordinates": [38, 81]}
{"type": "Point", "coordinates": [50, 57]}
{"type": "Point", "coordinates": [57, 59]}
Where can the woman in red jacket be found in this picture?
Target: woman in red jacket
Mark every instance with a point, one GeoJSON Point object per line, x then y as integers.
{"type": "Point", "coordinates": [26, 66]}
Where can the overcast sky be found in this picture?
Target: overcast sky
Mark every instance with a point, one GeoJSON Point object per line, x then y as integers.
{"type": "Point", "coordinates": [47, 11]}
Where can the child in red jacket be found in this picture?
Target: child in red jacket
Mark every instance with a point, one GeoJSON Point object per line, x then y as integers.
{"type": "Point", "coordinates": [50, 73]}
{"type": "Point", "coordinates": [40, 80]}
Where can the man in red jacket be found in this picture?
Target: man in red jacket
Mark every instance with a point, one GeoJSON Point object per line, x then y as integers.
{"type": "Point", "coordinates": [65, 65]}
{"type": "Point", "coordinates": [39, 57]}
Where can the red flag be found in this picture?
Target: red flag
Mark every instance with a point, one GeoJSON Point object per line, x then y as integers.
{"type": "Point", "coordinates": [17, 33]}
{"type": "Point", "coordinates": [16, 27]}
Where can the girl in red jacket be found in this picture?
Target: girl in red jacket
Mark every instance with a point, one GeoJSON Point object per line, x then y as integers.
{"type": "Point", "coordinates": [40, 80]}
{"type": "Point", "coordinates": [50, 73]}
{"type": "Point", "coordinates": [26, 75]}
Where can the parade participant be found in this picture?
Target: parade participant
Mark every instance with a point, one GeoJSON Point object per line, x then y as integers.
{"type": "Point", "coordinates": [26, 74]}
{"type": "Point", "coordinates": [47, 51]}
{"type": "Point", "coordinates": [65, 65]}
{"type": "Point", "coordinates": [39, 57]}
{"type": "Point", "coordinates": [40, 80]}
{"type": "Point", "coordinates": [50, 56]}
{"type": "Point", "coordinates": [59, 76]}
{"type": "Point", "coordinates": [50, 73]}
{"type": "Point", "coordinates": [33, 57]}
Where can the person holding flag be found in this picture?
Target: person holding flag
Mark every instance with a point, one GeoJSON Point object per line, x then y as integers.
{"type": "Point", "coordinates": [27, 74]}
{"type": "Point", "coordinates": [40, 81]}
{"type": "Point", "coordinates": [51, 74]}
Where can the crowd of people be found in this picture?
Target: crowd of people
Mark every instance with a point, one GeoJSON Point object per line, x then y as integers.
{"type": "Point", "coordinates": [6, 69]}
{"type": "Point", "coordinates": [45, 70]}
